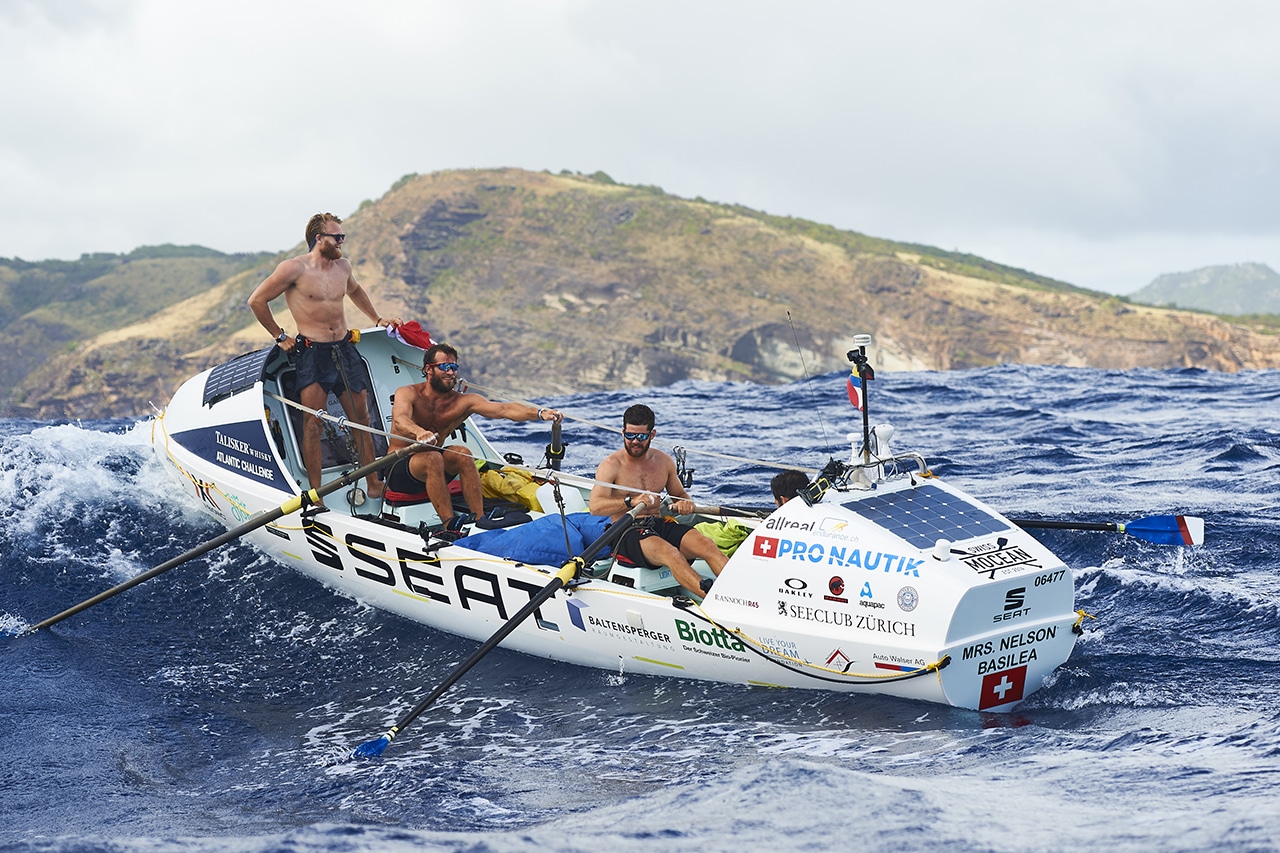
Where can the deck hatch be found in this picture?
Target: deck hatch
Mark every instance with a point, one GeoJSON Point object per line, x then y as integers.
{"type": "Point", "coordinates": [236, 375]}
{"type": "Point", "coordinates": [925, 514]}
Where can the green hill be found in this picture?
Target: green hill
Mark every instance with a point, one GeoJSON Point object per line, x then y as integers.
{"type": "Point", "coordinates": [1232, 290]}
{"type": "Point", "coordinates": [561, 283]}
{"type": "Point", "coordinates": [47, 307]}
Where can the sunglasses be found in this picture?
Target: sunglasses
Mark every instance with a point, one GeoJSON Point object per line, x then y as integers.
{"type": "Point", "coordinates": [446, 366]}
{"type": "Point", "coordinates": [337, 238]}
{"type": "Point", "coordinates": [637, 436]}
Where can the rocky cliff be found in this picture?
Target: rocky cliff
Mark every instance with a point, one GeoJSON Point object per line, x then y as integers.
{"type": "Point", "coordinates": [560, 283]}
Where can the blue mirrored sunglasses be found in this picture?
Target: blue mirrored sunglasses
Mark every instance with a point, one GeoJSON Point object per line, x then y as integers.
{"type": "Point", "coordinates": [446, 366]}
{"type": "Point", "coordinates": [636, 436]}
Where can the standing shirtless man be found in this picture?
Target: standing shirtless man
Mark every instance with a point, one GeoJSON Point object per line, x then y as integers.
{"type": "Point", "coordinates": [314, 285]}
{"type": "Point", "coordinates": [428, 412]}
{"type": "Point", "coordinates": [640, 474]}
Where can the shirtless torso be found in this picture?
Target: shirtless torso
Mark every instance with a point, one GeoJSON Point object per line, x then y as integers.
{"type": "Point", "coordinates": [314, 287]}
{"type": "Point", "coordinates": [653, 473]}
{"type": "Point", "coordinates": [426, 414]}
{"type": "Point", "coordinates": [635, 477]}
{"type": "Point", "coordinates": [429, 411]}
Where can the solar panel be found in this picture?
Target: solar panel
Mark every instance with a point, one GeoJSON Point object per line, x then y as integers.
{"type": "Point", "coordinates": [925, 514]}
{"type": "Point", "coordinates": [234, 376]}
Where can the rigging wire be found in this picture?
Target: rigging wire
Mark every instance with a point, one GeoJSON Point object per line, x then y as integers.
{"type": "Point", "coordinates": [813, 399]}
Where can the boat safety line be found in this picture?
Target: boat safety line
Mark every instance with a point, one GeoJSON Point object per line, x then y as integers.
{"type": "Point", "coordinates": [1076, 629]}
{"type": "Point", "coordinates": [745, 459]}
{"type": "Point", "coordinates": [426, 558]}
{"type": "Point", "coordinates": [344, 423]}
{"type": "Point", "coordinates": [803, 666]}
{"type": "Point", "coordinates": [201, 486]}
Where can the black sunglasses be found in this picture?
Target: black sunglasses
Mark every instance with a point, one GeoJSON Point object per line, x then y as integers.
{"type": "Point", "coordinates": [337, 238]}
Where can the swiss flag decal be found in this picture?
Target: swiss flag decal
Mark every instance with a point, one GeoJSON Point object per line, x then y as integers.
{"type": "Point", "coordinates": [1000, 688]}
{"type": "Point", "coordinates": [766, 546]}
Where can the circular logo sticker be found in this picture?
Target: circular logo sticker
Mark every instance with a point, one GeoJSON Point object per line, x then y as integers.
{"type": "Point", "coordinates": [836, 585]}
{"type": "Point", "coordinates": [908, 598]}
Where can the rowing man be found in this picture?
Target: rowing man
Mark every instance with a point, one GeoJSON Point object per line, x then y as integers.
{"type": "Point", "coordinates": [636, 475]}
{"type": "Point", "coordinates": [314, 286]}
{"type": "Point", "coordinates": [427, 412]}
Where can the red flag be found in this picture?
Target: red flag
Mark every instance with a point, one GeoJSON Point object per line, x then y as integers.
{"type": "Point", "coordinates": [412, 334]}
{"type": "Point", "coordinates": [855, 393]}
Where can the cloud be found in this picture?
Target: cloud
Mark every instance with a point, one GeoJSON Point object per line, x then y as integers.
{"type": "Point", "coordinates": [1097, 143]}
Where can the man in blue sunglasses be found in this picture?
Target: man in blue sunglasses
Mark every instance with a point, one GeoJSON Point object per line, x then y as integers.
{"type": "Point", "coordinates": [429, 412]}
{"type": "Point", "coordinates": [637, 475]}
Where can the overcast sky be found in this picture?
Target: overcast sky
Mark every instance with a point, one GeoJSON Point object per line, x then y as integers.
{"type": "Point", "coordinates": [1098, 143]}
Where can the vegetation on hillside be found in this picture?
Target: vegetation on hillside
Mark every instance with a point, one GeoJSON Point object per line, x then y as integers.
{"type": "Point", "coordinates": [559, 283]}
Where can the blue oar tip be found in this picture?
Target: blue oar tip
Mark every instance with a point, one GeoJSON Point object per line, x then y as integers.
{"type": "Point", "coordinates": [373, 748]}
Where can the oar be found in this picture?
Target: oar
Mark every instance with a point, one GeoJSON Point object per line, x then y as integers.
{"type": "Point", "coordinates": [736, 511]}
{"type": "Point", "coordinates": [260, 520]}
{"type": "Point", "coordinates": [555, 450]}
{"type": "Point", "coordinates": [373, 748]}
{"type": "Point", "coordinates": [1160, 529]}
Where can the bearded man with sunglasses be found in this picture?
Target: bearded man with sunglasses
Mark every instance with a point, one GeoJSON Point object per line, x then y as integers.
{"type": "Point", "coordinates": [637, 475]}
{"type": "Point", "coordinates": [314, 286]}
{"type": "Point", "coordinates": [428, 412]}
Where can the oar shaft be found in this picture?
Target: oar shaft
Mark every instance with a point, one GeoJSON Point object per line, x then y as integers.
{"type": "Point", "coordinates": [562, 577]}
{"type": "Point", "coordinates": [555, 451]}
{"type": "Point", "coordinates": [735, 511]}
{"type": "Point", "coordinates": [260, 520]}
{"type": "Point", "coordinates": [1068, 525]}
{"type": "Point", "coordinates": [1157, 529]}
{"type": "Point", "coordinates": [218, 541]}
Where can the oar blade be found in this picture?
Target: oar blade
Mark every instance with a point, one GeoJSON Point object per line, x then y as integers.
{"type": "Point", "coordinates": [1168, 529]}
{"type": "Point", "coordinates": [372, 748]}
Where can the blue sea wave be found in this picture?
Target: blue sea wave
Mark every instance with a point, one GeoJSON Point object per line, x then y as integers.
{"type": "Point", "coordinates": [215, 707]}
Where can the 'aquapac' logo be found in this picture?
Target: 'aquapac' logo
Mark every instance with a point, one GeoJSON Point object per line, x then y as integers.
{"type": "Point", "coordinates": [867, 598]}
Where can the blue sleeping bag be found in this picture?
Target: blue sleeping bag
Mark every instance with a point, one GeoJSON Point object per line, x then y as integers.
{"type": "Point", "coordinates": [541, 541]}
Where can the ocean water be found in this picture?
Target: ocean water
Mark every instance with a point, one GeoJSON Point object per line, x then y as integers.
{"type": "Point", "coordinates": [215, 707]}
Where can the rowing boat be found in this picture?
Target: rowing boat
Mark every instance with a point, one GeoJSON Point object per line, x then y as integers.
{"type": "Point", "coordinates": [882, 579]}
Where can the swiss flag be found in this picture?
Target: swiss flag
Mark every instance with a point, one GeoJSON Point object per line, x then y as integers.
{"type": "Point", "coordinates": [1003, 687]}
{"type": "Point", "coordinates": [766, 546]}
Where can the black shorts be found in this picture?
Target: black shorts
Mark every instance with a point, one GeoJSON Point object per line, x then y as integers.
{"type": "Point", "coordinates": [403, 486]}
{"type": "Point", "coordinates": [399, 479]}
{"type": "Point", "coordinates": [627, 549]}
{"type": "Point", "coordinates": [335, 366]}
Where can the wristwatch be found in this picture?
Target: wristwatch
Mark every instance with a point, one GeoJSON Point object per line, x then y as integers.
{"type": "Point", "coordinates": [282, 337]}
{"type": "Point", "coordinates": [626, 499]}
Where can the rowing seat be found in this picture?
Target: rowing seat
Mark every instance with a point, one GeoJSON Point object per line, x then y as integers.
{"type": "Point", "coordinates": [657, 581]}
{"type": "Point", "coordinates": [393, 502]}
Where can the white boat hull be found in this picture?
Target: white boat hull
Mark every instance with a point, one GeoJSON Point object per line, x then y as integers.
{"type": "Point", "coordinates": [834, 596]}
